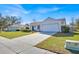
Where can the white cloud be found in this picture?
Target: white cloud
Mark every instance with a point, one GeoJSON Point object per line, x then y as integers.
{"type": "Point", "coordinates": [21, 9]}
{"type": "Point", "coordinates": [45, 10]}
{"type": "Point", "coordinates": [14, 10]}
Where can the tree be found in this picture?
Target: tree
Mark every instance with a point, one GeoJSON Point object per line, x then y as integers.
{"type": "Point", "coordinates": [77, 23]}
{"type": "Point", "coordinates": [7, 21]}
{"type": "Point", "coordinates": [72, 24]}
{"type": "Point", "coordinates": [1, 22]}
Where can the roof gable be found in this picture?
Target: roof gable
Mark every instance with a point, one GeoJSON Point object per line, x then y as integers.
{"type": "Point", "coordinates": [52, 19]}
{"type": "Point", "coordinates": [49, 19]}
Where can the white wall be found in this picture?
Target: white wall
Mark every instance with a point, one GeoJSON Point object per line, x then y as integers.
{"type": "Point", "coordinates": [50, 26]}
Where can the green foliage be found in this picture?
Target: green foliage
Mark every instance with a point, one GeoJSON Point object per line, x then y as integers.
{"type": "Point", "coordinates": [65, 29]}
{"type": "Point", "coordinates": [77, 23]}
{"type": "Point", "coordinates": [6, 21]}
{"type": "Point", "coordinates": [56, 42]}
{"type": "Point", "coordinates": [26, 29]}
{"type": "Point", "coordinates": [18, 30]}
{"type": "Point", "coordinates": [15, 34]}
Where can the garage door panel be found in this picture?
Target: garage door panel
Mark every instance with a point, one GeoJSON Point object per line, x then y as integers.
{"type": "Point", "coordinates": [50, 28]}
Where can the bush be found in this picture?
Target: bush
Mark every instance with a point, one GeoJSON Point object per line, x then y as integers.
{"type": "Point", "coordinates": [26, 30]}
{"type": "Point", "coordinates": [65, 29]}
{"type": "Point", "coordinates": [17, 30]}
{"type": "Point", "coordinates": [27, 27]}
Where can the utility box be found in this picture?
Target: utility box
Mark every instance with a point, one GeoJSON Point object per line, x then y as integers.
{"type": "Point", "coordinates": [72, 45]}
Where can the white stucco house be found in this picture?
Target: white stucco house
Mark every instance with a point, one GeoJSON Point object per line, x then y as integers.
{"type": "Point", "coordinates": [48, 25]}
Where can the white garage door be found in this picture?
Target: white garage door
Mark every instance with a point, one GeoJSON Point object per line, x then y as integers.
{"type": "Point", "coordinates": [50, 28]}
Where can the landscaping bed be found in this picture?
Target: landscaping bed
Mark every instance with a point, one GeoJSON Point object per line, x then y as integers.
{"type": "Point", "coordinates": [56, 42]}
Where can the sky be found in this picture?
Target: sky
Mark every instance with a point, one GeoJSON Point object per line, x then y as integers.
{"type": "Point", "coordinates": [39, 12]}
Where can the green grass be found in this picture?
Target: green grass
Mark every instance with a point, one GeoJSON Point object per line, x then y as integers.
{"type": "Point", "coordinates": [56, 42]}
{"type": "Point", "coordinates": [11, 35]}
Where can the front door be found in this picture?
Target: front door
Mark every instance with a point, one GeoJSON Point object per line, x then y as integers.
{"type": "Point", "coordinates": [32, 28]}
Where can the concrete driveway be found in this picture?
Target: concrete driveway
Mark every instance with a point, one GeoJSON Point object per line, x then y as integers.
{"type": "Point", "coordinates": [33, 39]}
{"type": "Point", "coordinates": [24, 44]}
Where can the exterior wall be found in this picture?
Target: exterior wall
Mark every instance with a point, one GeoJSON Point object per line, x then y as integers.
{"type": "Point", "coordinates": [35, 25]}
{"type": "Point", "coordinates": [35, 28]}
{"type": "Point", "coordinates": [48, 21]}
{"type": "Point", "coordinates": [52, 26]}
{"type": "Point", "coordinates": [14, 27]}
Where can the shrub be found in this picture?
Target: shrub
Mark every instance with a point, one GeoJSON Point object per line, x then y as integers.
{"type": "Point", "coordinates": [27, 27]}
{"type": "Point", "coordinates": [26, 30]}
{"type": "Point", "coordinates": [17, 30]}
{"type": "Point", "coordinates": [65, 29]}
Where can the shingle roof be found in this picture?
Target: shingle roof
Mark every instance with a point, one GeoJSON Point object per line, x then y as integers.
{"type": "Point", "coordinates": [48, 19]}
{"type": "Point", "coordinates": [35, 23]}
{"type": "Point", "coordinates": [52, 19]}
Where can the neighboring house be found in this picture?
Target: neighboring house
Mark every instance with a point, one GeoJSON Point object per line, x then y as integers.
{"type": "Point", "coordinates": [48, 25]}
{"type": "Point", "coordinates": [16, 27]}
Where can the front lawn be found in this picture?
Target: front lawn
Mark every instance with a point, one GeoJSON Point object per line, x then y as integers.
{"type": "Point", "coordinates": [56, 42]}
{"type": "Point", "coordinates": [11, 35]}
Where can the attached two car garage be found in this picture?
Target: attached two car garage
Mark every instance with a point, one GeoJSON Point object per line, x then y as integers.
{"type": "Point", "coordinates": [50, 27]}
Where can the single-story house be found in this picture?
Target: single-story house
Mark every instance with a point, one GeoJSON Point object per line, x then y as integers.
{"type": "Point", "coordinates": [48, 25]}
{"type": "Point", "coordinates": [16, 27]}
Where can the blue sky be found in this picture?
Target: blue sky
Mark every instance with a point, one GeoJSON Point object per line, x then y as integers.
{"type": "Point", "coordinates": [39, 12]}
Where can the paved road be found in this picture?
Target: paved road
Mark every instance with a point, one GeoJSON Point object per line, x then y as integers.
{"type": "Point", "coordinates": [24, 44]}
